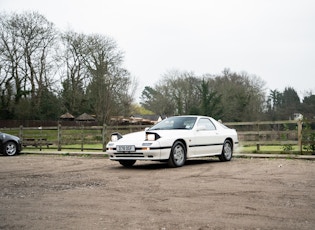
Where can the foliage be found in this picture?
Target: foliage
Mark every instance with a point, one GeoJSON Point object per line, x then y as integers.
{"type": "Point", "coordinates": [90, 68]}
{"type": "Point", "coordinates": [106, 91]}
{"type": "Point", "coordinates": [74, 75]}
{"type": "Point", "coordinates": [137, 109]}
{"type": "Point", "coordinates": [242, 95]}
{"type": "Point", "coordinates": [308, 137]}
{"type": "Point", "coordinates": [283, 105]}
{"type": "Point", "coordinates": [232, 97]}
{"type": "Point", "coordinates": [156, 100]}
{"type": "Point", "coordinates": [284, 137]}
{"type": "Point", "coordinates": [210, 101]}
{"type": "Point", "coordinates": [308, 106]}
{"type": "Point", "coordinates": [26, 55]}
{"type": "Point", "coordinates": [45, 72]}
{"type": "Point", "coordinates": [287, 147]}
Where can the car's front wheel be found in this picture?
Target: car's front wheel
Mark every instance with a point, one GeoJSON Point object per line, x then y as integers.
{"type": "Point", "coordinates": [227, 151]}
{"type": "Point", "coordinates": [127, 163]}
{"type": "Point", "coordinates": [10, 148]}
{"type": "Point", "coordinates": [178, 155]}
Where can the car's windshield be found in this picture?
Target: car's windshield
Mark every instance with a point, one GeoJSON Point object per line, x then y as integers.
{"type": "Point", "coordinates": [175, 123]}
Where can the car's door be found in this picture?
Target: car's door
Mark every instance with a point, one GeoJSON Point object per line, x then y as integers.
{"type": "Point", "coordinates": [207, 139]}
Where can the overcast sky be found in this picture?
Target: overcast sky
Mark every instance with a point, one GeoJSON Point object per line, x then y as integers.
{"type": "Point", "coordinates": [272, 39]}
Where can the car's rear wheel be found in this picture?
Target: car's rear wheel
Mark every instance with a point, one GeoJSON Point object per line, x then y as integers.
{"type": "Point", "coordinates": [10, 148]}
{"type": "Point", "coordinates": [178, 155]}
{"type": "Point", "coordinates": [127, 163]}
{"type": "Point", "coordinates": [227, 151]}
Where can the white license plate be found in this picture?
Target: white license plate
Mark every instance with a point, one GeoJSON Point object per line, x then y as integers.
{"type": "Point", "coordinates": [126, 148]}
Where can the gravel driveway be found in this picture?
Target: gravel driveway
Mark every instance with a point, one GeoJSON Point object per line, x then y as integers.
{"type": "Point", "coordinates": [70, 192]}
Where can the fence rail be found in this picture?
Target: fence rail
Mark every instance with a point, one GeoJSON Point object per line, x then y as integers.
{"type": "Point", "coordinates": [95, 137]}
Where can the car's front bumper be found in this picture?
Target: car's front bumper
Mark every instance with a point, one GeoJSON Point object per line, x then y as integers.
{"type": "Point", "coordinates": [140, 153]}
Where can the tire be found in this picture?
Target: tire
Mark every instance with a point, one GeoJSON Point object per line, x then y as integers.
{"type": "Point", "coordinates": [127, 163]}
{"type": "Point", "coordinates": [10, 148]}
{"type": "Point", "coordinates": [178, 155]}
{"type": "Point", "coordinates": [227, 151]}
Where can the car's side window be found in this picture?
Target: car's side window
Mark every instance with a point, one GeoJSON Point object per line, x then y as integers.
{"type": "Point", "coordinates": [205, 124]}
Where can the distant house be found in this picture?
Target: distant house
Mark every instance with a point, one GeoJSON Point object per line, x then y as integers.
{"type": "Point", "coordinates": [136, 120]}
{"type": "Point", "coordinates": [67, 117]}
{"type": "Point", "coordinates": [119, 120]}
{"type": "Point", "coordinates": [85, 117]}
{"type": "Point", "coordinates": [152, 118]}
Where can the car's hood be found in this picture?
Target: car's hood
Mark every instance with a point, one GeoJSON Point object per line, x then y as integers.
{"type": "Point", "coordinates": [137, 136]}
{"type": "Point", "coordinates": [140, 136]}
{"type": "Point", "coordinates": [5, 136]}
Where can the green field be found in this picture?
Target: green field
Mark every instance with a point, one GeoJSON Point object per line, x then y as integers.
{"type": "Point", "coordinates": [267, 149]}
{"type": "Point", "coordinates": [91, 140]}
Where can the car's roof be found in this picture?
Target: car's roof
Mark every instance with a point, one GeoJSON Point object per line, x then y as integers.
{"type": "Point", "coordinates": [189, 116]}
{"type": "Point", "coordinates": [197, 116]}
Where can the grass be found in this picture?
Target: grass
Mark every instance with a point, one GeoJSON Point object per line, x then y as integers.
{"type": "Point", "coordinates": [270, 149]}
{"type": "Point", "coordinates": [72, 147]}
{"type": "Point", "coordinates": [92, 138]}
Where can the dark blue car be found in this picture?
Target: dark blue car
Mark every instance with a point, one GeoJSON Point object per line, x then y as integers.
{"type": "Point", "coordinates": [9, 145]}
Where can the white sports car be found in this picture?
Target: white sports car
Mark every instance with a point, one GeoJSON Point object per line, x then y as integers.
{"type": "Point", "coordinates": [174, 140]}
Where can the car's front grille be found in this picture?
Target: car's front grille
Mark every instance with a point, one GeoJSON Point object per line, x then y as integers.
{"type": "Point", "coordinates": [129, 154]}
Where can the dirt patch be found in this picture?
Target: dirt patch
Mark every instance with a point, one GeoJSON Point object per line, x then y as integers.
{"type": "Point", "coordinates": [64, 192]}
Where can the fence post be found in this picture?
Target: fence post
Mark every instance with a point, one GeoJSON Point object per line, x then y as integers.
{"type": "Point", "coordinates": [300, 127]}
{"type": "Point", "coordinates": [21, 132]}
{"type": "Point", "coordinates": [82, 137]}
{"type": "Point", "coordinates": [258, 144]}
{"type": "Point", "coordinates": [40, 128]}
{"type": "Point", "coordinates": [59, 137]}
{"type": "Point", "coordinates": [104, 137]}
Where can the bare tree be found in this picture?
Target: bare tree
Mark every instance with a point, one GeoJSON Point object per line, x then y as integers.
{"type": "Point", "coordinates": [158, 99]}
{"type": "Point", "coordinates": [37, 37]}
{"type": "Point", "coordinates": [175, 94]}
{"type": "Point", "coordinates": [242, 95]}
{"type": "Point", "coordinates": [231, 96]}
{"type": "Point", "coordinates": [11, 54]}
{"type": "Point", "coordinates": [27, 41]}
{"type": "Point", "coordinates": [92, 79]}
{"type": "Point", "coordinates": [75, 75]}
{"type": "Point", "coordinates": [182, 89]}
{"type": "Point", "coordinates": [108, 90]}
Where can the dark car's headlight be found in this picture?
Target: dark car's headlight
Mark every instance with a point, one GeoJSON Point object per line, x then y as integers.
{"type": "Point", "coordinates": [115, 137]}
{"type": "Point", "coordinates": [151, 136]}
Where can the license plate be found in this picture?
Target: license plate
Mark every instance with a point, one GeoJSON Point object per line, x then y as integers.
{"type": "Point", "coordinates": [125, 148]}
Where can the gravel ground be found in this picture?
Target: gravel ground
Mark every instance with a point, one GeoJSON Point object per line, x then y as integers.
{"type": "Point", "coordinates": [71, 192]}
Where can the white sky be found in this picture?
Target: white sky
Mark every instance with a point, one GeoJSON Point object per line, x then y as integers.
{"type": "Point", "coordinates": [272, 39]}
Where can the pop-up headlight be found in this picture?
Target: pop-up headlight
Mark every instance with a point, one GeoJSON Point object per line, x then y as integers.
{"type": "Point", "coordinates": [151, 136]}
{"type": "Point", "coordinates": [115, 137]}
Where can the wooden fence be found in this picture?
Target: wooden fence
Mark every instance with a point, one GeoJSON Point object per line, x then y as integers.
{"type": "Point", "coordinates": [82, 138]}
{"type": "Point", "coordinates": [261, 133]}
